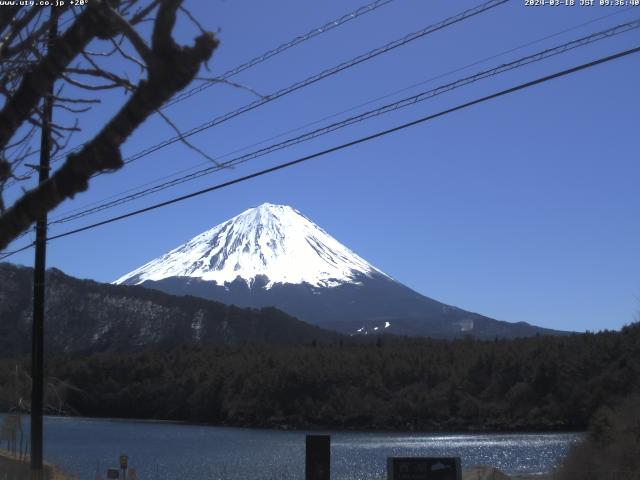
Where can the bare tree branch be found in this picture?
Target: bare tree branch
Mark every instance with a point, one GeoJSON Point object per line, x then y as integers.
{"type": "Point", "coordinates": [7, 16]}
{"type": "Point", "coordinates": [141, 14]}
{"type": "Point", "coordinates": [136, 40]}
{"type": "Point", "coordinates": [35, 83]}
{"type": "Point", "coordinates": [77, 100]}
{"type": "Point", "coordinates": [232, 84]}
{"type": "Point", "coordinates": [185, 141]}
{"type": "Point", "coordinates": [126, 56]}
{"type": "Point", "coordinates": [170, 68]}
{"type": "Point", "coordinates": [89, 86]}
{"type": "Point", "coordinates": [28, 42]}
{"type": "Point", "coordinates": [15, 28]}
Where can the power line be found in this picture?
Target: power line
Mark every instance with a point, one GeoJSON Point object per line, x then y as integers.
{"type": "Point", "coordinates": [283, 47]}
{"type": "Point", "coordinates": [471, 12]}
{"type": "Point", "coordinates": [412, 100]}
{"type": "Point", "coordinates": [352, 143]}
{"type": "Point", "coordinates": [254, 61]}
{"type": "Point", "coordinates": [350, 109]}
{"type": "Point", "coordinates": [13, 252]}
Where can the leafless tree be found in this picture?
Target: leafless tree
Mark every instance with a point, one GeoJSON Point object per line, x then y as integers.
{"type": "Point", "coordinates": [15, 397]}
{"type": "Point", "coordinates": [97, 42]}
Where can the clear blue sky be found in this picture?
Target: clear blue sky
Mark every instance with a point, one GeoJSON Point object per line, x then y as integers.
{"type": "Point", "coordinates": [525, 208]}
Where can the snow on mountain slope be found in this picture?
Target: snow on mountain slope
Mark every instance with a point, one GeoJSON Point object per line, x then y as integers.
{"type": "Point", "coordinates": [276, 241]}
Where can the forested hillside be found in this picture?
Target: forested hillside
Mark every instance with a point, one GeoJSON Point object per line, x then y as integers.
{"type": "Point", "coordinates": [535, 383]}
{"type": "Point", "coordinates": [85, 317]}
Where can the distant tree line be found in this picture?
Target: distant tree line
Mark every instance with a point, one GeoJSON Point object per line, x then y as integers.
{"type": "Point", "coordinates": [539, 383]}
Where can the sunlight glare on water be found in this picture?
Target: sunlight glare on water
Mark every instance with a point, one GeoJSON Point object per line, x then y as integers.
{"type": "Point", "coordinates": [166, 451]}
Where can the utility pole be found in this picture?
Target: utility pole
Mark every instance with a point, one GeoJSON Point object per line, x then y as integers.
{"type": "Point", "coordinates": [37, 340]}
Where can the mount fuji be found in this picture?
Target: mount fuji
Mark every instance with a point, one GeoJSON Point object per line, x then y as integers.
{"type": "Point", "coordinates": [272, 255]}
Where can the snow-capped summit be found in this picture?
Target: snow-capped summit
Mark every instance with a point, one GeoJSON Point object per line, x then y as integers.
{"type": "Point", "coordinates": [274, 241]}
{"type": "Point", "coordinates": [273, 256]}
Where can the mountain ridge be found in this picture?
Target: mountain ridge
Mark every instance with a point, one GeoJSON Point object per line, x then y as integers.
{"type": "Point", "coordinates": [375, 306]}
{"type": "Point", "coordinates": [84, 316]}
{"type": "Point", "coordinates": [272, 255]}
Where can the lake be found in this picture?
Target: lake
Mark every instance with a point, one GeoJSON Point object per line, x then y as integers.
{"type": "Point", "coordinates": [163, 451]}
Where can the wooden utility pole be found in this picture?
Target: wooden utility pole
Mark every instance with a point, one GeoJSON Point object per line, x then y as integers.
{"type": "Point", "coordinates": [37, 340]}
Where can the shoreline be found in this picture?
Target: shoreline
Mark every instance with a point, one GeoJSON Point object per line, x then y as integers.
{"type": "Point", "coordinates": [474, 471]}
{"type": "Point", "coordinates": [315, 428]}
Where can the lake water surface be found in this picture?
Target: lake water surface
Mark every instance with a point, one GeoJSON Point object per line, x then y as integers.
{"type": "Point", "coordinates": [163, 451]}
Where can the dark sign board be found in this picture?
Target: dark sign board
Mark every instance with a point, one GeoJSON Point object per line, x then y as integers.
{"type": "Point", "coordinates": [423, 468]}
{"type": "Point", "coordinates": [113, 473]}
{"type": "Point", "coordinates": [318, 460]}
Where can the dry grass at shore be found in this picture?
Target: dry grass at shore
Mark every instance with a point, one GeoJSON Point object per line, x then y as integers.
{"type": "Point", "coordinates": [483, 472]}
{"type": "Point", "coordinates": [17, 469]}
